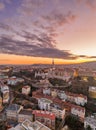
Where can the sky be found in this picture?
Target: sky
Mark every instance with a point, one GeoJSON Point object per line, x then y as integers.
{"type": "Point", "coordinates": [36, 31]}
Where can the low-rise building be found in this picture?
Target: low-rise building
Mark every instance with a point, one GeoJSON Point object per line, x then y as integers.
{"type": "Point", "coordinates": [58, 110]}
{"type": "Point", "coordinates": [44, 103]}
{"type": "Point", "coordinates": [90, 121]}
{"type": "Point", "coordinates": [25, 114]}
{"type": "Point", "coordinates": [5, 93]}
{"type": "Point", "coordinates": [6, 97]}
{"type": "Point", "coordinates": [46, 91]}
{"type": "Point", "coordinates": [45, 117]}
{"type": "Point", "coordinates": [0, 101]}
{"type": "Point", "coordinates": [14, 80]}
{"type": "Point", "coordinates": [28, 125]}
{"type": "Point", "coordinates": [1, 107]}
{"type": "Point", "coordinates": [79, 99]}
{"type": "Point", "coordinates": [78, 111]}
{"type": "Point", "coordinates": [92, 91]}
{"type": "Point", "coordinates": [12, 111]}
{"type": "Point", "coordinates": [26, 89]}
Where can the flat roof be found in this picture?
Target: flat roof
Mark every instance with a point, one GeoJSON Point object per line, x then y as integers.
{"type": "Point", "coordinates": [45, 114]}
{"type": "Point", "coordinates": [34, 125]}
{"type": "Point", "coordinates": [13, 107]}
{"type": "Point", "coordinates": [26, 112]}
{"type": "Point", "coordinates": [91, 120]}
{"type": "Point", "coordinates": [45, 100]}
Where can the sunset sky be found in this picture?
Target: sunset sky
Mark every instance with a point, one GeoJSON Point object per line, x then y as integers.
{"type": "Point", "coordinates": [35, 31]}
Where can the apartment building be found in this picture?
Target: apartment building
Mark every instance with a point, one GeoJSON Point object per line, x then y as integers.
{"type": "Point", "coordinates": [90, 121]}
{"type": "Point", "coordinates": [26, 89]}
{"type": "Point", "coordinates": [25, 114]}
{"type": "Point", "coordinates": [45, 117]}
{"type": "Point", "coordinates": [12, 111]}
{"type": "Point", "coordinates": [44, 103]}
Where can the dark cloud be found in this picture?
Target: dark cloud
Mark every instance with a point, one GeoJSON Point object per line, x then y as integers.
{"type": "Point", "coordinates": [10, 46]}
{"type": "Point", "coordinates": [38, 32]}
{"type": "Point", "coordinates": [41, 39]}
{"type": "Point", "coordinates": [85, 56]}
{"type": "Point", "coordinates": [59, 19]}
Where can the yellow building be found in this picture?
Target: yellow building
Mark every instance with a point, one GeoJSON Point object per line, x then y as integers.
{"type": "Point", "coordinates": [0, 101]}
{"type": "Point", "coordinates": [76, 74]}
{"type": "Point", "coordinates": [54, 93]}
{"type": "Point", "coordinates": [92, 92]}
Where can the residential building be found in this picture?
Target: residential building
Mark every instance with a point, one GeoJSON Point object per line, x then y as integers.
{"type": "Point", "coordinates": [78, 111]}
{"type": "Point", "coordinates": [45, 117]}
{"type": "Point", "coordinates": [25, 114]}
{"type": "Point", "coordinates": [14, 80]}
{"type": "Point", "coordinates": [90, 121]}
{"type": "Point", "coordinates": [28, 125]}
{"type": "Point", "coordinates": [12, 111]}
{"type": "Point", "coordinates": [79, 99]}
{"type": "Point", "coordinates": [0, 101]}
{"type": "Point", "coordinates": [44, 103]}
{"type": "Point", "coordinates": [46, 91]}
{"type": "Point", "coordinates": [5, 93]}
{"type": "Point", "coordinates": [26, 89]}
{"type": "Point", "coordinates": [92, 91]}
{"type": "Point", "coordinates": [6, 97]}
{"type": "Point", "coordinates": [58, 110]}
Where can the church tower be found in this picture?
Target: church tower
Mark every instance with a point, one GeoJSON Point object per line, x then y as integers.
{"type": "Point", "coordinates": [53, 62]}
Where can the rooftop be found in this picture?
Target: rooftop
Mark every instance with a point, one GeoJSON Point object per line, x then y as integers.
{"type": "Point", "coordinates": [44, 114]}
{"type": "Point", "coordinates": [91, 120]}
{"type": "Point", "coordinates": [26, 112]}
{"type": "Point", "coordinates": [92, 88]}
{"type": "Point", "coordinates": [13, 107]}
{"type": "Point", "coordinates": [46, 100]}
{"type": "Point", "coordinates": [34, 125]}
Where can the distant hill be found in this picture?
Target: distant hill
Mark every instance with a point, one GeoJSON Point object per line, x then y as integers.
{"type": "Point", "coordinates": [91, 64]}
{"type": "Point", "coordinates": [84, 64]}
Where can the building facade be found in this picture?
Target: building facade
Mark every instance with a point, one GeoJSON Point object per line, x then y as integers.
{"type": "Point", "coordinates": [45, 117]}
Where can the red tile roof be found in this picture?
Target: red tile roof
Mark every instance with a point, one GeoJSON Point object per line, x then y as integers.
{"type": "Point", "coordinates": [44, 114]}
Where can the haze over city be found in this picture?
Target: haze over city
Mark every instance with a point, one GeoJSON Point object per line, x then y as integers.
{"type": "Point", "coordinates": [35, 31]}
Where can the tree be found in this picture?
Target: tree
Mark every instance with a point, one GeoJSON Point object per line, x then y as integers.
{"type": "Point", "coordinates": [88, 128]}
{"type": "Point", "coordinates": [74, 123]}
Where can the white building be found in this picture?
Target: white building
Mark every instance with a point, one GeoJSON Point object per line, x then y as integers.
{"type": "Point", "coordinates": [78, 111]}
{"type": "Point", "coordinates": [46, 91]}
{"type": "Point", "coordinates": [6, 97]}
{"type": "Point", "coordinates": [59, 73]}
{"type": "Point", "coordinates": [41, 74]}
{"type": "Point", "coordinates": [57, 110]}
{"type": "Point", "coordinates": [90, 121]}
{"type": "Point", "coordinates": [14, 80]}
{"type": "Point", "coordinates": [44, 103]}
{"type": "Point", "coordinates": [62, 95]}
{"type": "Point", "coordinates": [26, 89]}
{"type": "Point", "coordinates": [5, 92]}
{"type": "Point", "coordinates": [79, 99]}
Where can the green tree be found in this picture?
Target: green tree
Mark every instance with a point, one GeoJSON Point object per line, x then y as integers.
{"type": "Point", "coordinates": [88, 128]}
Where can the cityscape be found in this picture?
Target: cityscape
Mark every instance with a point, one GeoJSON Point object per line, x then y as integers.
{"type": "Point", "coordinates": [47, 65]}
